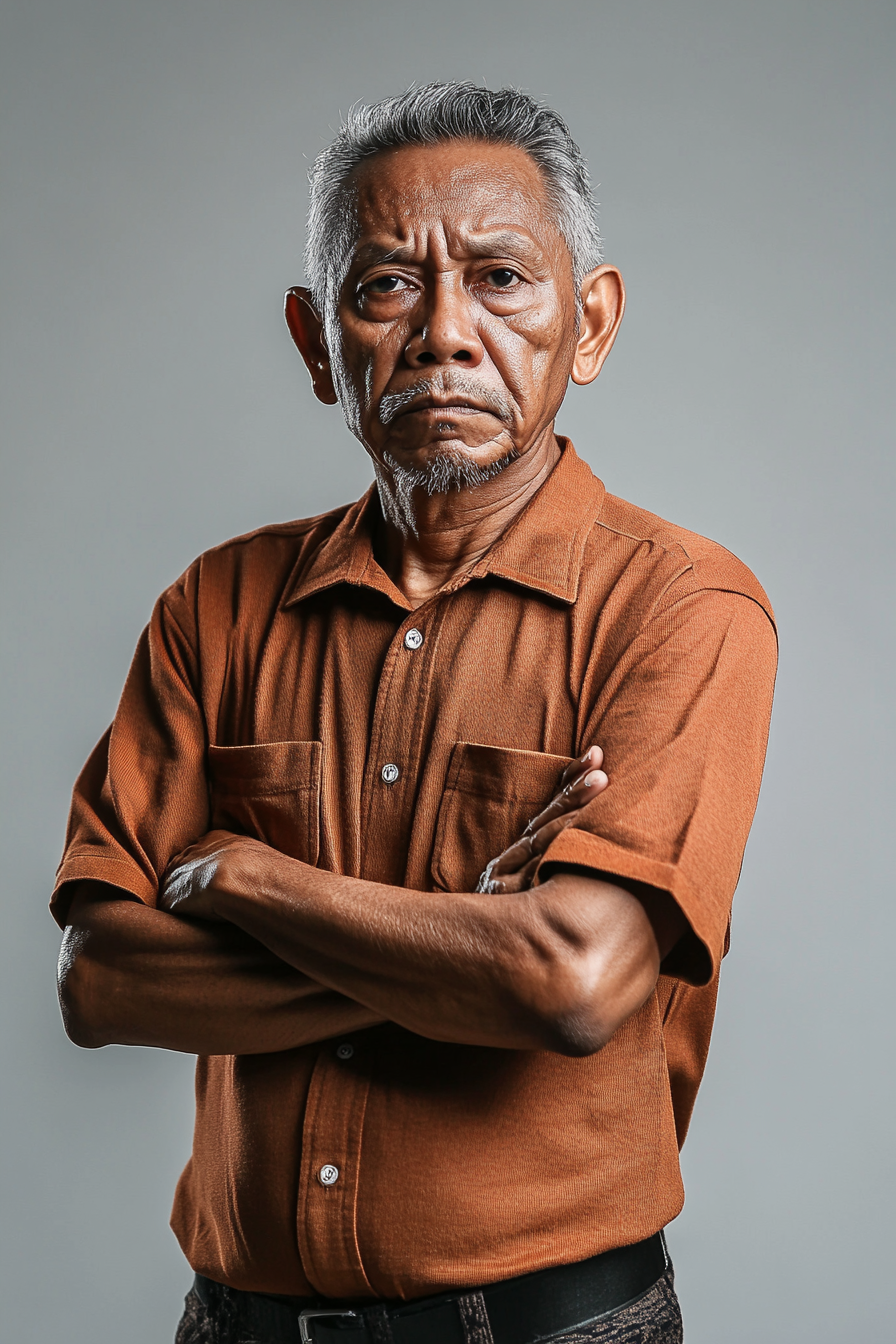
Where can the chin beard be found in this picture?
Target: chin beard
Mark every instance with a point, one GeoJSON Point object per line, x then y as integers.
{"type": "Point", "coordinates": [448, 470]}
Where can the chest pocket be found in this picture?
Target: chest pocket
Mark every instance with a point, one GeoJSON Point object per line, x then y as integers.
{"type": "Point", "coordinates": [490, 795]}
{"type": "Point", "coordinates": [270, 791]}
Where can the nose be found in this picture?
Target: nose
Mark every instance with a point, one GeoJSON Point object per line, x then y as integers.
{"type": "Point", "coordinates": [447, 333]}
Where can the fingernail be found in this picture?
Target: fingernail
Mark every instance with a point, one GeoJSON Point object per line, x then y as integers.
{"type": "Point", "coordinates": [587, 757]}
{"type": "Point", "coordinates": [593, 777]}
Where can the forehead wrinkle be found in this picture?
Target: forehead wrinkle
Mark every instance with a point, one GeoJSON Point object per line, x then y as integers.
{"type": "Point", "coordinates": [487, 243]}
{"type": "Point", "coordinates": [457, 203]}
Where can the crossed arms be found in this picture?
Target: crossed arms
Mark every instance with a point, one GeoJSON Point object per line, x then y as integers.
{"type": "Point", "coordinates": [252, 951]}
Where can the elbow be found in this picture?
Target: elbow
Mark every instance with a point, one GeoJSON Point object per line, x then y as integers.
{"type": "Point", "coordinates": [80, 1033]}
{"type": "Point", "coordinates": [569, 1012]}
{"type": "Point", "coordinates": [588, 974]}
{"type": "Point", "coordinates": [79, 1028]}
{"type": "Point", "coordinates": [576, 1033]}
{"type": "Point", "coordinates": [584, 1000]}
{"type": "Point", "coordinates": [577, 1039]}
{"type": "Point", "coordinates": [77, 996]}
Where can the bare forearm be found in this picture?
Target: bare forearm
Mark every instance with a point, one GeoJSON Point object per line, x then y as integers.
{"type": "Point", "coordinates": [131, 975]}
{"type": "Point", "coordinates": [559, 967]}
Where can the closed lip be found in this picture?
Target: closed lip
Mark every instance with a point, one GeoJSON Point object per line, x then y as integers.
{"type": "Point", "coordinates": [462, 404]}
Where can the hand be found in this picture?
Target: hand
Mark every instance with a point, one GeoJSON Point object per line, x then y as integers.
{"type": "Point", "coordinates": [202, 871]}
{"type": "Point", "coordinates": [514, 870]}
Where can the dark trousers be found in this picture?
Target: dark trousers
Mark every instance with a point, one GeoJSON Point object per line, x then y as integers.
{"type": "Point", "coordinates": [654, 1318]}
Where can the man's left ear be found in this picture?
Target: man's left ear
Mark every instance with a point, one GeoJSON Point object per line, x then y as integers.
{"type": "Point", "coordinates": [306, 329]}
{"type": "Point", "coordinates": [603, 303]}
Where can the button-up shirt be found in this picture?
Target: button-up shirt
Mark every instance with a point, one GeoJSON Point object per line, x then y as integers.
{"type": "Point", "coordinates": [284, 689]}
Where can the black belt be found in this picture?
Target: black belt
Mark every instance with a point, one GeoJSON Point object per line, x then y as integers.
{"type": "Point", "coordinates": [522, 1310]}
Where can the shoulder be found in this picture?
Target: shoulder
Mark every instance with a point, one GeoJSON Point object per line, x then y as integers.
{"type": "Point", "coordinates": [666, 562]}
{"type": "Point", "coordinates": [256, 568]}
{"type": "Point", "coordinates": [286, 543]}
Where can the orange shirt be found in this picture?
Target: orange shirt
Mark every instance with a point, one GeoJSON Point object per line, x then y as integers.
{"type": "Point", "coordinates": [276, 680]}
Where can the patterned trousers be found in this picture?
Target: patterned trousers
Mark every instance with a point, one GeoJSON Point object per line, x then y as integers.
{"type": "Point", "coordinates": [654, 1318]}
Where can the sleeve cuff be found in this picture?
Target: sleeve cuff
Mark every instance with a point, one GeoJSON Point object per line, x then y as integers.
{"type": "Point", "coordinates": [94, 867]}
{"type": "Point", "coordinates": [696, 957]}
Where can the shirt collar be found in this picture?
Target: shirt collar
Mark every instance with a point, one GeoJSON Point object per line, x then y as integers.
{"type": "Point", "coordinates": [542, 549]}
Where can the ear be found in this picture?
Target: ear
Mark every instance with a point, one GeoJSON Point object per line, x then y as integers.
{"type": "Point", "coordinates": [603, 303]}
{"type": "Point", "coordinates": [307, 331]}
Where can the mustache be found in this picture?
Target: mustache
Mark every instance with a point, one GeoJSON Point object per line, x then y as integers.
{"type": "Point", "coordinates": [459, 385]}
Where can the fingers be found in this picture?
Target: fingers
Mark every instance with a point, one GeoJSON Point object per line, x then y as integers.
{"type": "Point", "coordinates": [525, 855]}
{"type": "Point", "coordinates": [514, 869]}
{"type": "Point", "coordinates": [510, 883]}
{"type": "Point", "coordinates": [593, 759]}
{"type": "Point", "coordinates": [574, 796]}
{"type": "Point", "coordinates": [548, 833]}
{"type": "Point", "coordinates": [513, 858]}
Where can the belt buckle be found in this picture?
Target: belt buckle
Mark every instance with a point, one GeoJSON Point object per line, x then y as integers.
{"type": "Point", "coordinates": [308, 1313]}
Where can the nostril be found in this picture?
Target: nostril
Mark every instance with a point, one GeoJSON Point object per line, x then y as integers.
{"type": "Point", "coordinates": [462, 355]}
{"type": "Point", "coordinates": [426, 357]}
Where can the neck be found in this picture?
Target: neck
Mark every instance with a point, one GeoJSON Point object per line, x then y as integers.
{"type": "Point", "coordinates": [426, 540]}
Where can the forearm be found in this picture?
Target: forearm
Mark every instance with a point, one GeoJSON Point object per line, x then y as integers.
{"type": "Point", "coordinates": [131, 975]}
{"type": "Point", "coordinates": [557, 968]}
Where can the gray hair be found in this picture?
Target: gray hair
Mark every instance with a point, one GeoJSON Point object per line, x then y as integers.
{"type": "Point", "coordinates": [429, 115]}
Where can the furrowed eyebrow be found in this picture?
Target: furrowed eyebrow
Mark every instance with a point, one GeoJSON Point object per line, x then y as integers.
{"type": "Point", "coordinates": [481, 245]}
{"type": "Point", "coordinates": [370, 254]}
{"type": "Point", "coordinates": [496, 244]}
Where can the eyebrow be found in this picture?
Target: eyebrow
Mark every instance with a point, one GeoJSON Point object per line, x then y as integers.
{"type": "Point", "coordinates": [482, 245]}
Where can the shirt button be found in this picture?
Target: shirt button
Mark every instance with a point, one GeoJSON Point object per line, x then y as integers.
{"type": "Point", "coordinates": [389, 773]}
{"type": "Point", "coordinates": [413, 639]}
{"type": "Point", "coordinates": [328, 1174]}
{"type": "Point", "coordinates": [345, 1051]}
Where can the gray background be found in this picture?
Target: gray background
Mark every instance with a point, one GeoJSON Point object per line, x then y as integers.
{"type": "Point", "coordinates": [154, 202]}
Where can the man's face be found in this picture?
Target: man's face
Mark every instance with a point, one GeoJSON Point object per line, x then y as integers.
{"type": "Point", "coordinates": [456, 323]}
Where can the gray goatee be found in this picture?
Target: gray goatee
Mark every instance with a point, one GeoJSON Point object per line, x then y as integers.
{"type": "Point", "coordinates": [450, 468]}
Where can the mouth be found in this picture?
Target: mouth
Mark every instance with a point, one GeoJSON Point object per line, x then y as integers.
{"type": "Point", "coordinates": [435, 407]}
{"type": "Point", "coordinates": [441, 399]}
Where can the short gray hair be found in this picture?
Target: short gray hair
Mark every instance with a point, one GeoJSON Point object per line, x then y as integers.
{"type": "Point", "coordinates": [429, 115]}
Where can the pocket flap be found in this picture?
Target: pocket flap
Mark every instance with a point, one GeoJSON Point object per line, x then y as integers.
{"type": "Point", "coordinates": [264, 768]}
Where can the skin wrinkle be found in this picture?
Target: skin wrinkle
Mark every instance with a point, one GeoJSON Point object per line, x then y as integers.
{"type": "Point", "coordinates": [440, 247]}
{"type": "Point", "coordinates": [498, 239]}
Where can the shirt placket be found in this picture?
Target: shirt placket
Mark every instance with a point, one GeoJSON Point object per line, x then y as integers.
{"type": "Point", "coordinates": [334, 1115]}
{"type": "Point", "coordinates": [398, 730]}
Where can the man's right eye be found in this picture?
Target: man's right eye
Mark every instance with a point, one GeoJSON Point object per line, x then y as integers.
{"type": "Point", "coordinates": [383, 284]}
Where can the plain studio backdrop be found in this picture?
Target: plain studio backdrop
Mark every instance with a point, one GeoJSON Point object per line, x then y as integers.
{"type": "Point", "coordinates": [155, 194]}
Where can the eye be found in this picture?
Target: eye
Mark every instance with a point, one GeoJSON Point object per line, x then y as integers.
{"type": "Point", "coordinates": [502, 277]}
{"type": "Point", "coordinates": [384, 284]}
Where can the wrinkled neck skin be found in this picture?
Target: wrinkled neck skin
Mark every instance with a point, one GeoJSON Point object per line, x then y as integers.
{"type": "Point", "coordinates": [426, 541]}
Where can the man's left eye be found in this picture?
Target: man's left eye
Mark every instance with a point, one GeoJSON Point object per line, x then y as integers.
{"type": "Point", "coordinates": [502, 277]}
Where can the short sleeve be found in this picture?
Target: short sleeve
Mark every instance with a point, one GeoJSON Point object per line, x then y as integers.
{"type": "Point", "coordinates": [142, 797]}
{"type": "Point", "coordinates": [683, 723]}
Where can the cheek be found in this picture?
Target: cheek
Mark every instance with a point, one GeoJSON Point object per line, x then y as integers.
{"type": "Point", "coordinates": [533, 355]}
{"type": "Point", "coordinates": [550, 329]}
{"type": "Point", "coordinates": [369, 355]}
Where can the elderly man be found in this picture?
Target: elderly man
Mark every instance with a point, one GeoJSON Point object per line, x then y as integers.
{"type": "Point", "coordinates": [349, 839]}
